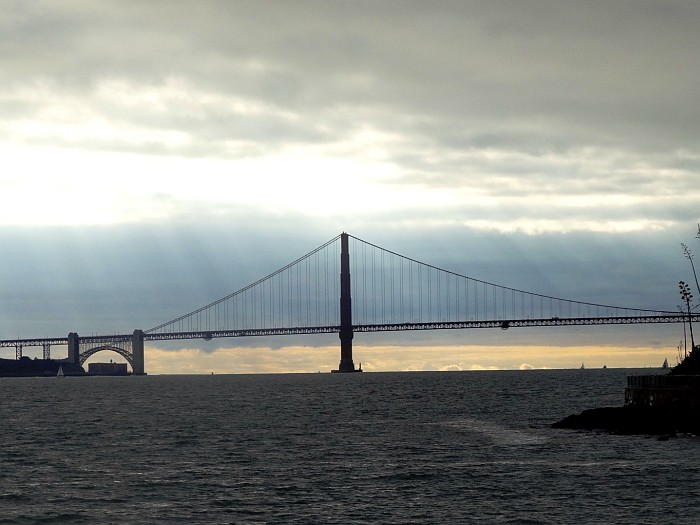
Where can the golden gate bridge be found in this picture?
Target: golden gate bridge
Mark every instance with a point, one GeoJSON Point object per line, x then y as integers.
{"type": "Point", "coordinates": [346, 286]}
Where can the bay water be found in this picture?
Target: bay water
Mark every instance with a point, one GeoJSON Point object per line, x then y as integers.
{"type": "Point", "coordinates": [424, 447]}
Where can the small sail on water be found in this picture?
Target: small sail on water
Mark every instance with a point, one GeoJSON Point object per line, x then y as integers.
{"type": "Point", "coordinates": [60, 371]}
{"type": "Point", "coordinates": [665, 365]}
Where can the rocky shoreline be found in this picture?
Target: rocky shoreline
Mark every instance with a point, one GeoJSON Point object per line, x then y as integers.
{"type": "Point", "coordinates": [666, 420]}
{"type": "Point", "coordinates": [655, 405]}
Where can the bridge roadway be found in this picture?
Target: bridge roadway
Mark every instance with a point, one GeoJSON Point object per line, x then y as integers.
{"type": "Point", "coordinates": [389, 327]}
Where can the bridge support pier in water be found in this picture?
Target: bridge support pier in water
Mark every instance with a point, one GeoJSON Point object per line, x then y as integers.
{"type": "Point", "coordinates": [73, 348]}
{"type": "Point", "coordinates": [346, 335]}
{"type": "Point", "coordinates": [137, 352]}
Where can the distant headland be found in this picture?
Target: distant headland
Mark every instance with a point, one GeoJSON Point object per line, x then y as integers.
{"type": "Point", "coordinates": [26, 367]}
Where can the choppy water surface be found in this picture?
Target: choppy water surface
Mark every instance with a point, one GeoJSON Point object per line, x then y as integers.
{"type": "Point", "coordinates": [461, 447]}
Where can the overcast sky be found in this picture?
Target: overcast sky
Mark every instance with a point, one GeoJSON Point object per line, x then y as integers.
{"type": "Point", "coordinates": [159, 155]}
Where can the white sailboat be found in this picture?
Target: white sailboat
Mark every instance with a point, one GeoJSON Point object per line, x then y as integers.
{"type": "Point", "coordinates": [60, 371]}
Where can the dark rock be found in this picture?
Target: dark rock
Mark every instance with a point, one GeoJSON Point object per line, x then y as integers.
{"type": "Point", "coordinates": [666, 420]}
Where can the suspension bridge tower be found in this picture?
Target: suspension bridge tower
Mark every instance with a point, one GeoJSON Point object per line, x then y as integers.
{"type": "Point", "coordinates": [346, 362]}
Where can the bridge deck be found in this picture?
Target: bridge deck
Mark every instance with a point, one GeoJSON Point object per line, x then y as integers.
{"type": "Point", "coordinates": [395, 327]}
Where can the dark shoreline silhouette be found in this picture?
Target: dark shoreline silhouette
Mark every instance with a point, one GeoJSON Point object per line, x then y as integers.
{"type": "Point", "coordinates": [665, 420]}
{"type": "Point", "coordinates": [661, 405]}
{"type": "Point", "coordinates": [26, 367]}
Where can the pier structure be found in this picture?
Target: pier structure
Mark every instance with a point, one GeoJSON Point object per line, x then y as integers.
{"type": "Point", "coordinates": [662, 390]}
